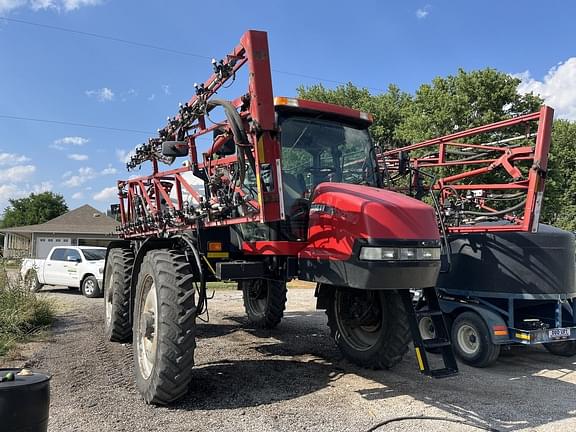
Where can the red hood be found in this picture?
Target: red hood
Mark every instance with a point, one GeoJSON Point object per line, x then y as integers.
{"type": "Point", "coordinates": [342, 213]}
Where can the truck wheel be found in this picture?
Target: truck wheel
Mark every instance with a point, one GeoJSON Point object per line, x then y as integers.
{"type": "Point", "coordinates": [164, 326]}
{"type": "Point", "coordinates": [264, 301]}
{"type": "Point", "coordinates": [31, 281]}
{"type": "Point", "coordinates": [427, 332]}
{"type": "Point", "coordinates": [369, 326]}
{"type": "Point", "coordinates": [564, 348]}
{"type": "Point", "coordinates": [90, 287]}
{"type": "Point", "coordinates": [119, 264]}
{"type": "Point", "coordinates": [471, 340]}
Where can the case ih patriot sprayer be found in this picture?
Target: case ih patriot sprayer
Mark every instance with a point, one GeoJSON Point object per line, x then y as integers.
{"type": "Point", "coordinates": [289, 189]}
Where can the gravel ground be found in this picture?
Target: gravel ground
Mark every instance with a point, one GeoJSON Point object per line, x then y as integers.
{"type": "Point", "coordinates": [289, 379]}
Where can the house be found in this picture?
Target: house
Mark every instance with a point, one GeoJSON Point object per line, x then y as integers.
{"type": "Point", "coordinates": [84, 226]}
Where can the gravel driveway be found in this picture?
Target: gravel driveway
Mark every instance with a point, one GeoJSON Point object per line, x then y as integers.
{"type": "Point", "coordinates": [289, 379]}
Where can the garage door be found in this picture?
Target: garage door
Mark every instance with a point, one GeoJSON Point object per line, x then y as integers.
{"type": "Point", "coordinates": [45, 244]}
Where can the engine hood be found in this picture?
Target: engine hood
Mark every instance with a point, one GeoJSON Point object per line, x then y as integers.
{"type": "Point", "coordinates": [341, 214]}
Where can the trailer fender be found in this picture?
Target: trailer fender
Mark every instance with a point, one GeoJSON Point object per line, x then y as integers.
{"type": "Point", "coordinates": [494, 321]}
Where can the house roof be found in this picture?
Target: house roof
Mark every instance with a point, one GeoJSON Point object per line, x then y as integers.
{"type": "Point", "coordinates": [83, 220]}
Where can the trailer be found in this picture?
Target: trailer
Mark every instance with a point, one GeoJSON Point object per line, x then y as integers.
{"type": "Point", "coordinates": [506, 278]}
{"type": "Point", "coordinates": [287, 188]}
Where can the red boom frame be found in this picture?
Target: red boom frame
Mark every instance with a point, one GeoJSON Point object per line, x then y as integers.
{"type": "Point", "coordinates": [500, 157]}
{"type": "Point", "coordinates": [253, 51]}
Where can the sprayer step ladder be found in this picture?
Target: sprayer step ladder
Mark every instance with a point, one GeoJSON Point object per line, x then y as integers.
{"type": "Point", "coordinates": [440, 342]}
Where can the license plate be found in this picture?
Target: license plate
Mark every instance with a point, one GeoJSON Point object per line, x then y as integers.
{"type": "Point", "coordinates": [559, 333]}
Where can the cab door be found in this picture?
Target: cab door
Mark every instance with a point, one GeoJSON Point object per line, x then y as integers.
{"type": "Point", "coordinates": [62, 267]}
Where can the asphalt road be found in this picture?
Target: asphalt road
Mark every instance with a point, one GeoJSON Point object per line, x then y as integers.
{"type": "Point", "coordinates": [289, 379]}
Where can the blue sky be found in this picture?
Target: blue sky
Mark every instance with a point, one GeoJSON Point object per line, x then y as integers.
{"type": "Point", "coordinates": [62, 76]}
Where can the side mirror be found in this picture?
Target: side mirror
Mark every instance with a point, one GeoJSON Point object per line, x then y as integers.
{"type": "Point", "coordinates": [175, 148]}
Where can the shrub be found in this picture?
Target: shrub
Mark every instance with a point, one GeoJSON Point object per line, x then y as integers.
{"type": "Point", "coordinates": [22, 313]}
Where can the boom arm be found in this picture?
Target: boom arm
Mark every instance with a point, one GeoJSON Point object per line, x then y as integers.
{"type": "Point", "coordinates": [493, 173]}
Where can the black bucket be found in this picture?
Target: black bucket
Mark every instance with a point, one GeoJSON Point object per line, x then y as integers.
{"type": "Point", "coordinates": [24, 402]}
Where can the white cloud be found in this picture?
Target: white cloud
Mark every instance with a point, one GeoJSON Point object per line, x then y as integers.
{"type": "Point", "coordinates": [106, 194]}
{"type": "Point", "coordinates": [109, 170]}
{"type": "Point", "coordinates": [17, 173]}
{"type": "Point", "coordinates": [151, 97]}
{"type": "Point", "coordinates": [558, 88]}
{"type": "Point", "coordinates": [8, 5]}
{"type": "Point", "coordinates": [78, 195]}
{"type": "Point", "coordinates": [37, 5]}
{"type": "Point", "coordinates": [12, 191]}
{"type": "Point", "coordinates": [78, 157]}
{"type": "Point", "coordinates": [423, 12]}
{"type": "Point", "coordinates": [166, 89]}
{"type": "Point", "coordinates": [60, 144]}
{"type": "Point", "coordinates": [12, 158]}
{"type": "Point", "coordinates": [103, 94]}
{"type": "Point", "coordinates": [85, 174]}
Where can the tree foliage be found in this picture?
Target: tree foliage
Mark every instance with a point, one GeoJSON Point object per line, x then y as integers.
{"type": "Point", "coordinates": [34, 209]}
{"type": "Point", "coordinates": [458, 102]}
{"type": "Point", "coordinates": [387, 108]}
{"type": "Point", "coordinates": [463, 101]}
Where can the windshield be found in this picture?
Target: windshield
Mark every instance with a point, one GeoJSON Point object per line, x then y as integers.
{"type": "Point", "coordinates": [94, 254]}
{"type": "Point", "coordinates": [315, 150]}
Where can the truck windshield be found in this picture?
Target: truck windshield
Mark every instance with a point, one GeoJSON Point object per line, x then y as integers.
{"type": "Point", "coordinates": [94, 254]}
{"type": "Point", "coordinates": [316, 150]}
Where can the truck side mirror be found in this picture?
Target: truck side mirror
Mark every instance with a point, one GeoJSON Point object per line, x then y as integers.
{"type": "Point", "coordinates": [175, 148]}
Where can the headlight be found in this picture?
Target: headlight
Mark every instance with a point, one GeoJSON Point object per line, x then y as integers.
{"type": "Point", "coordinates": [374, 253]}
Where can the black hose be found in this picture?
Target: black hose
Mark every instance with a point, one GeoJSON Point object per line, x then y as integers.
{"type": "Point", "coordinates": [463, 422]}
{"type": "Point", "coordinates": [496, 213]}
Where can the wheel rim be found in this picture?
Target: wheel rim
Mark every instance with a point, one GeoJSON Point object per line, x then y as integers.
{"type": "Point", "coordinates": [257, 297]}
{"type": "Point", "coordinates": [468, 340]}
{"type": "Point", "coordinates": [89, 287]}
{"type": "Point", "coordinates": [147, 325]}
{"type": "Point", "coordinates": [426, 327]}
{"type": "Point", "coordinates": [109, 299]}
{"type": "Point", "coordinates": [359, 318]}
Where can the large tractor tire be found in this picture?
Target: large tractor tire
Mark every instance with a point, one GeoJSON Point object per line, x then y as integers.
{"type": "Point", "coordinates": [118, 277]}
{"type": "Point", "coordinates": [370, 327]}
{"type": "Point", "coordinates": [471, 341]}
{"type": "Point", "coordinates": [164, 326]}
{"type": "Point", "coordinates": [264, 301]}
{"type": "Point", "coordinates": [563, 349]}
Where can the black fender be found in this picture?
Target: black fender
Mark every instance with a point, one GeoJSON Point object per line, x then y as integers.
{"type": "Point", "coordinates": [323, 293]}
{"type": "Point", "coordinates": [490, 317]}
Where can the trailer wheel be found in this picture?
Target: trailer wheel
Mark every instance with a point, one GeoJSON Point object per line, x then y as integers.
{"type": "Point", "coordinates": [164, 326]}
{"type": "Point", "coordinates": [563, 349]}
{"type": "Point", "coordinates": [370, 327]}
{"type": "Point", "coordinates": [119, 264]}
{"type": "Point", "coordinates": [264, 301]}
{"type": "Point", "coordinates": [471, 340]}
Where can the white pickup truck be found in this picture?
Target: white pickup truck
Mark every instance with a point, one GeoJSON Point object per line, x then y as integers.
{"type": "Point", "coordinates": [71, 266]}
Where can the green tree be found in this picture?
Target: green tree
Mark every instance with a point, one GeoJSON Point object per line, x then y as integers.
{"type": "Point", "coordinates": [34, 209]}
{"type": "Point", "coordinates": [463, 101]}
{"type": "Point", "coordinates": [559, 206]}
{"type": "Point", "coordinates": [387, 108]}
